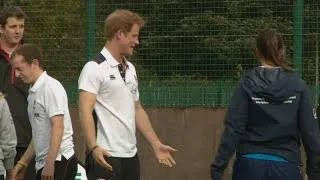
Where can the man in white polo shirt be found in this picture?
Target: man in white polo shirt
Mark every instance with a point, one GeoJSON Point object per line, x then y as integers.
{"type": "Point", "coordinates": [110, 110]}
{"type": "Point", "coordinates": [52, 142]}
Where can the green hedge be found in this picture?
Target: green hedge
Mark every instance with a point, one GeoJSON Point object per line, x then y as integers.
{"type": "Point", "coordinates": [179, 96]}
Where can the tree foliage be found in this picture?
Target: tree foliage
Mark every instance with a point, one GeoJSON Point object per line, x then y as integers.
{"type": "Point", "coordinates": [205, 39]}
{"type": "Point", "coordinates": [199, 40]}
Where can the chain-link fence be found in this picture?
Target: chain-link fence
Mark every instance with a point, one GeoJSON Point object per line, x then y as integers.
{"type": "Point", "coordinates": [191, 52]}
{"type": "Point", "coordinates": [311, 46]}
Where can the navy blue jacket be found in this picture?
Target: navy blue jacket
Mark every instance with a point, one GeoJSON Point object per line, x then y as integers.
{"type": "Point", "coordinates": [271, 109]}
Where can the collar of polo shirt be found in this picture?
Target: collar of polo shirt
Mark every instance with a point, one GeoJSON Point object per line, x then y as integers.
{"type": "Point", "coordinates": [38, 82]}
{"type": "Point", "coordinates": [111, 60]}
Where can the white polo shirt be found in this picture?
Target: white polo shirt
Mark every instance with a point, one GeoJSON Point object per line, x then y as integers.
{"type": "Point", "coordinates": [115, 103]}
{"type": "Point", "coordinates": [48, 98]}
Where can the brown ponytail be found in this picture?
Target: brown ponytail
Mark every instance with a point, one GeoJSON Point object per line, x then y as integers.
{"type": "Point", "coordinates": [271, 47]}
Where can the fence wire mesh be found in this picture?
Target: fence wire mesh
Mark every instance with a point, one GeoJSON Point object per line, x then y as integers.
{"type": "Point", "coordinates": [191, 53]}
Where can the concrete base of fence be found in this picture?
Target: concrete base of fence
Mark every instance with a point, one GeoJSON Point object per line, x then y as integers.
{"type": "Point", "coordinates": [195, 132]}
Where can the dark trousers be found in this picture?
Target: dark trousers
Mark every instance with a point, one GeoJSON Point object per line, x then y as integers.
{"type": "Point", "coordinates": [66, 169]}
{"type": "Point", "coordinates": [256, 169]}
{"type": "Point", "coordinates": [1, 177]}
{"type": "Point", "coordinates": [122, 169]}
{"type": "Point", "coordinates": [31, 170]}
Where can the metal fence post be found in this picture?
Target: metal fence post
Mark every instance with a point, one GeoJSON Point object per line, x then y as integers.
{"type": "Point", "coordinates": [91, 16]}
{"type": "Point", "coordinates": [298, 30]}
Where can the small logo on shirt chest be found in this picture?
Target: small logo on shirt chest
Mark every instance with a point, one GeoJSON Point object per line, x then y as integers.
{"type": "Point", "coordinates": [112, 77]}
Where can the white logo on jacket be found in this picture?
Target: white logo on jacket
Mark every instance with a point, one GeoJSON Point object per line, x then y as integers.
{"type": "Point", "coordinates": [315, 113]}
{"type": "Point", "coordinates": [263, 101]}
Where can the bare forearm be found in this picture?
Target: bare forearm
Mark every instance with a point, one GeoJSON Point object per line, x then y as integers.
{"type": "Point", "coordinates": [29, 154]}
{"type": "Point", "coordinates": [87, 101]}
{"type": "Point", "coordinates": [145, 127]}
{"type": "Point", "coordinates": [87, 124]}
{"type": "Point", "coordinates": [55, 142]}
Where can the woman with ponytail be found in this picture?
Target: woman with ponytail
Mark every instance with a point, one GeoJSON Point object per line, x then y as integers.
{"type": "Point", "coordinates": [270, 111]}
